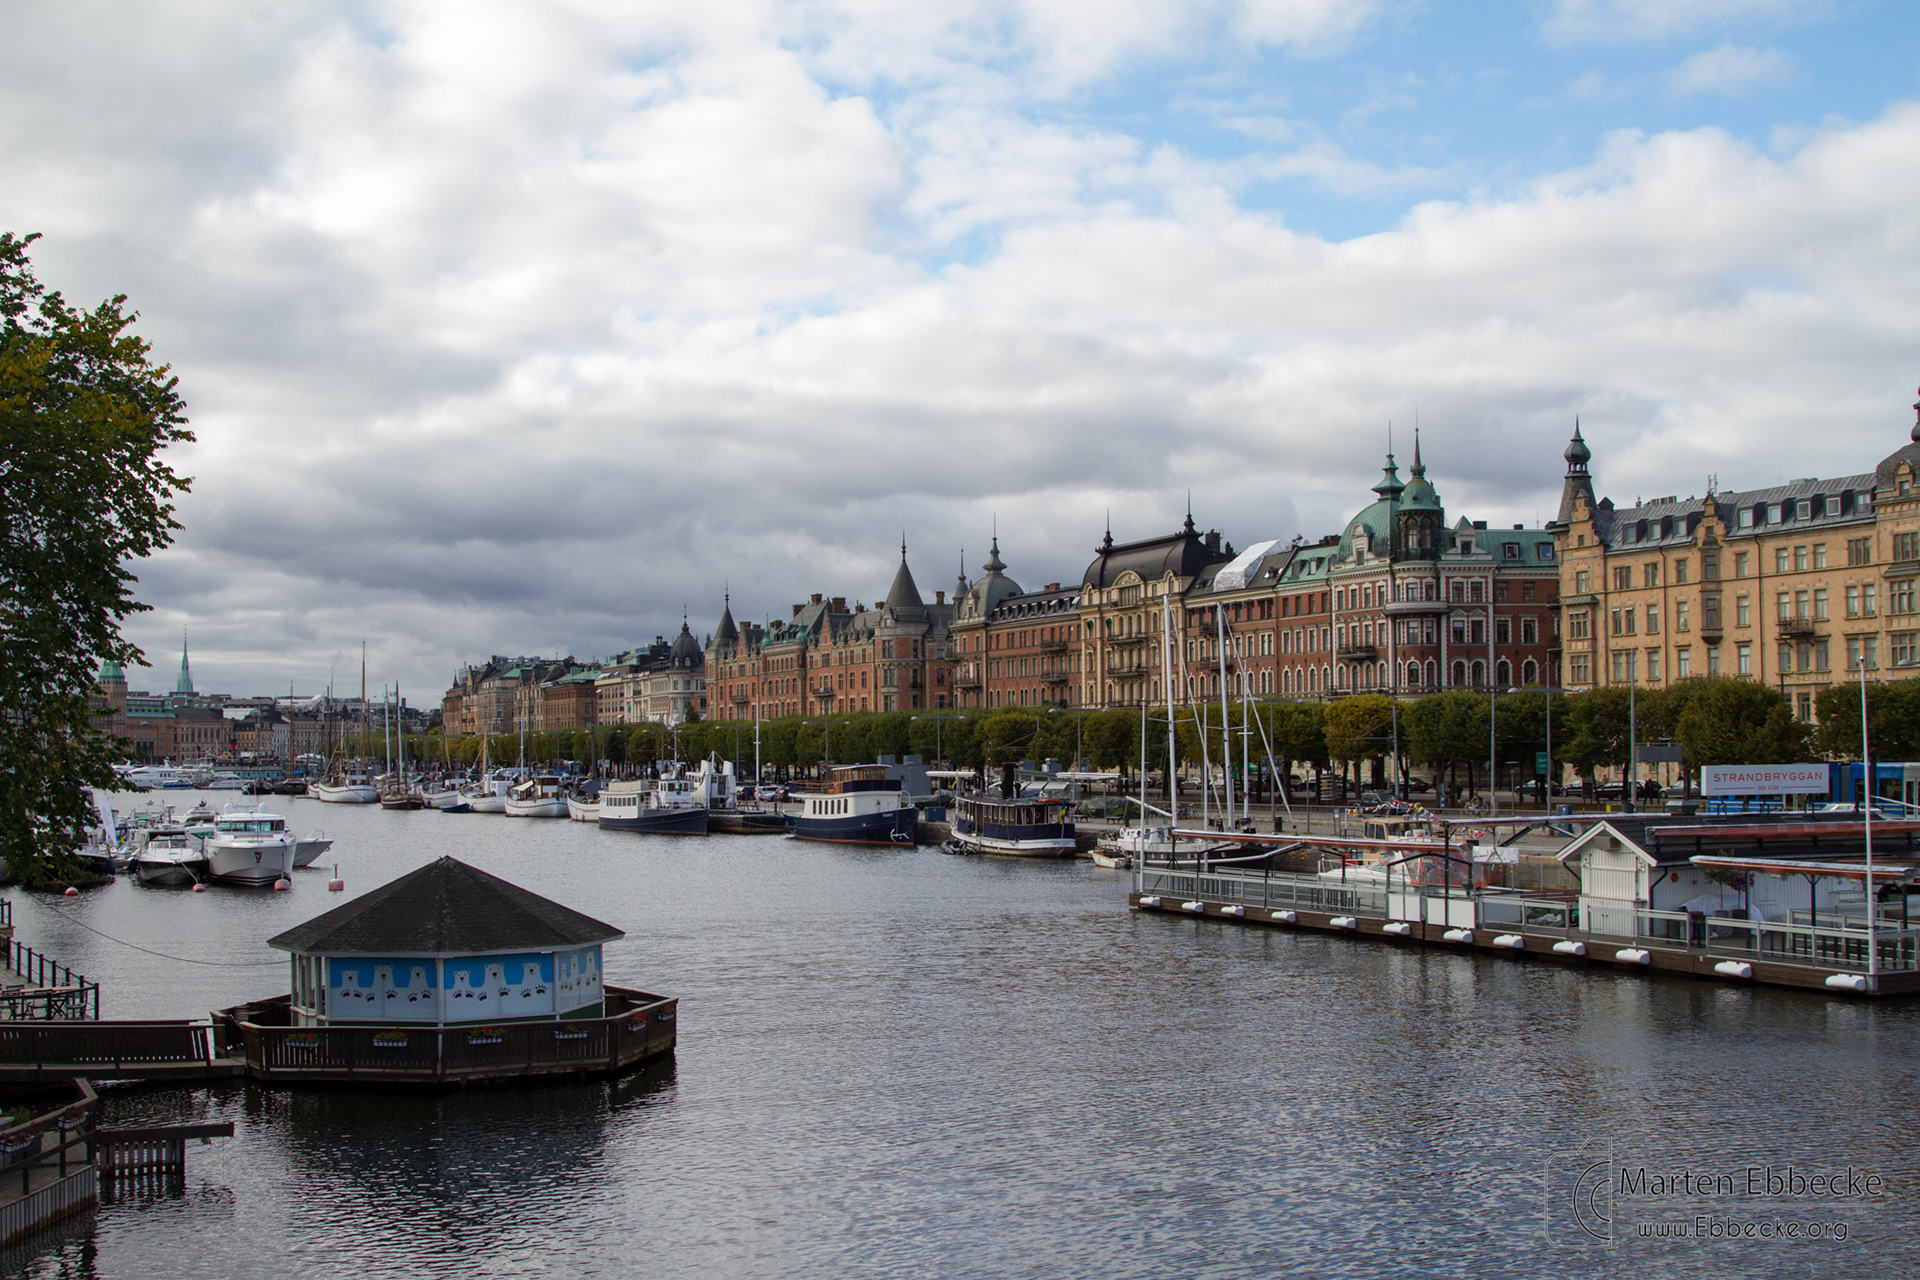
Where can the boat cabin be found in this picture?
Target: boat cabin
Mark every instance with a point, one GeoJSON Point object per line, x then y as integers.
{"type": "Point", "coordinates": [446, 945]}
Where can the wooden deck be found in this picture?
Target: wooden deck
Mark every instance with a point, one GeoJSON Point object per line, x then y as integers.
{"type": "Point", "coordinates": [1602, 951]}
{"type": "Point", "coordinates": [36, 1052]}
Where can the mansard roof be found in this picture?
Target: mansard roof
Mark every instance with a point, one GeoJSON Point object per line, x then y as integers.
{"type": "Point", "coordinates": [1183, 554]}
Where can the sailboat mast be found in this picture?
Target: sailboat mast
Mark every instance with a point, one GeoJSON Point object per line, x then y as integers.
{"type": "Point", "coordinates": [1226, 717]}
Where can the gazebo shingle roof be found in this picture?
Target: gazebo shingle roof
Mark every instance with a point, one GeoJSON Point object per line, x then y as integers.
{"type": "Point", "coordinates": [445, 908]}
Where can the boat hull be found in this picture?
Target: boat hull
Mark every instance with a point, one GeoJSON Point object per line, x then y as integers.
{"type": "Point", "coordinates": [672, 822]}
{"type": "Point", "coordinates": [487, 804]}
{"type": "Point", "coordinates": [249, 862]}
{"type": "Point", "coordinates": [307, 849]}
{"type": "Point", "coordinates": [1030, 840]}
{"type": "Point", "coordinates": [350, 793]}
{"type": "Point", "coordinates": [888, 826]}
{"type": "Point", "coordinates": [537, 807]}
{"type": "Point", "coordinates": [582, 810]}
{"type": "Point", "coordinates": [168, 871]}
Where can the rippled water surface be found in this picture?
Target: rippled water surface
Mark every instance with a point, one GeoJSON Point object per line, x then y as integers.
{"type": "Point", "coordinates": [906, 1064]}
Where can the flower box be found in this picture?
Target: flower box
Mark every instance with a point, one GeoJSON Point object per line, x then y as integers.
{"type": "Point", "coordinates": [390, 1039]}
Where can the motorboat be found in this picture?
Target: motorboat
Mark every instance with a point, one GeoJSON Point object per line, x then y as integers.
{"type": "Point", "coordinates": [309, 847]}
{"type": "Point", "coordinates": [669, 806]}
{"type": "Point", "coordinates": [202, 812]}
{"type": "Point", "coordinates": [224, 781]}
{"type": "Point", "coordinates": [400, 797]}
{"type": "Point", "coordinates": [489, 795]}
{"type": "Point", "coordinates": [249, 846]}
{"type": "Point", "coordinates": [860, 805]}
{"type": "Point", "coordinates": [157, 777]}
{"type": "Point", "coordinates": [441, 797]}
{"type": "Point", "coordinates": [537, 797]}
{"type": "Point", "coordinates": [168, 857]}
{"type": "Point", "coordinates": [583, 808]}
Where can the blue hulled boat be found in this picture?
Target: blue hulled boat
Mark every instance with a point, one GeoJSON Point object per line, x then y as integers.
{"type": "Point", "coordinates": [1022, 826]}
{"type": "Point", "coordinates": [860, 805]}
{"type": "Point", "coordinates": [671, 806]}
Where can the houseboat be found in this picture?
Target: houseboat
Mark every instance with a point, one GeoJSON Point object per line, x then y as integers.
{"type": "Point", "coordinates": [859, 805]}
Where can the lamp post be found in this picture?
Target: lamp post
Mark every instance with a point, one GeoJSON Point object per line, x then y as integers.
{"type": "Point", "coordinates": [937, 754]}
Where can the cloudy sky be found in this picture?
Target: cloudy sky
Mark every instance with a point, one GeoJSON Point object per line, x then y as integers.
{"type": "Point", "coordinates": [515, 328]}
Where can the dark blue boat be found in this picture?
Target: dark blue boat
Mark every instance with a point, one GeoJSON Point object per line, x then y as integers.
{"type": "Point", "coordinates": [860, 805]}
{"type": "Point", "coordinates": [671, 806]}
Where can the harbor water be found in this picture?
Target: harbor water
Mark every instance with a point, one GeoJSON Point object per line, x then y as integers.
{"type": "Point", "coordinates": [898, 1063]}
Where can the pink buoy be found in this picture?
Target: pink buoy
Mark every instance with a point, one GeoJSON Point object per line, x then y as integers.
{"type": "Point", "coordinates": [281, 886]}
{"type": "Point", "coordinates": [199, 888]}
{"type": "Point", "coordinates": [71, 892]}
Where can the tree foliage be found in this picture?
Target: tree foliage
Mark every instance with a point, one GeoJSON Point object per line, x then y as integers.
{"type": "Point", "coordinates": [85, 416]}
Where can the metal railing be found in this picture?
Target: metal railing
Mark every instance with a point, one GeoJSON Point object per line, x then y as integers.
{"type": "Point", "coordinates": [1840, 944]}
{"type": "Point", "coordinates": [53, 991]}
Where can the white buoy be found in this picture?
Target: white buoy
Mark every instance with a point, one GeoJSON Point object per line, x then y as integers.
{"type": "Point", "coordinates": [1233, 911]}
{"type": "Point", "coordinates": [1195, 905]}
{"type": "Point", "coordinates": [1457, 935]}
{"type": "Point", "coordinates": [1150, 902]}
{"type": "Point", "coordinates": [1734, 969]}
{"type": "Point", "coordinates": [282, 885]}
{"type": "Point", "coordinates": [1847, 981]}
{"type": "Point", "coordinates": [1285, 917]}
{"type": "Point", "coordinates": [1344, 922]}
{"type": "Point", "coordinates": [1634, 955]}
{"type": "Point", "coordinates": [1568, 947]}
{"type": "Point", "coordinates": [1511, 941]}
{"type": "Point", "coordinates": [1398, 928]}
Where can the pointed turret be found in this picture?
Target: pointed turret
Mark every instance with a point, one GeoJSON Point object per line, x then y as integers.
{"type": "Point", "coordinates": [1578, 483]}
{"type": "Point", "coordinates": [903, 594]}
{"type": "Point", "coordinates": [185, 683]}
{"type": "Point", "coordinates": [726, 633]}
{"type": "Point", "coordinates": [1389, 487]}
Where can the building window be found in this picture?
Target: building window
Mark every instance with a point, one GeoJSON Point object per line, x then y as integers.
{"type": "Point", "coordinates": [1713, 660]}
{"type": "Point", "coordinates": [1799, 559]}
{"type": "Point", "coordinates": [1622, 578]}
{"type": "Point", "coordinates": [1859, 551]}
{"type": "Point", "coordinates": [1682, 615]}
{"type": "Point", "coordinates": [1651, 574]}
{"type": "Point", "coordinates": [1867, 607]}
{"type": "Point", "coordinates": [1577, 623]}
{"type": "Point", "coordinates": [1786, 658]}
{"type": "Point", "coordinates": [1900, 596]}
{"type": "Point", "coordinates": [1503, 631]}
{"type": "Point", "coordinates": [1526, 591]}
{"type": "Point", "coordinates": [1529, 631]}
{"type": "Point", "coordinates": [1862, 651]}
{"type": "Point", "coordinates": [1580, 669]}
{"type": "Point", "coordinates": [1653, 619]}
{"type": "Point", "coordinates": [1742, 612]}
{"type": "Point", "coordinates": [1743, 654]}
{"type": "Point", "coordinates": [1781, 604]}
{"type": "Point", "coordinates": [1900, 648]}
{"type": "Point", "coordinates": [1682, 662]}
{"type": "Point", "coordinates": [1740, 562]}
{"type": "Point", "coordinates": [1780, 560]}
{"type": "Point", "coordinates": [1653, 664]}
{"type": "Point", "coordinates": [1582, 582]}
{"type": "Point", "coordinates": [1709, 568]}
{"type": "Point", "coordinates": [1679, 572]}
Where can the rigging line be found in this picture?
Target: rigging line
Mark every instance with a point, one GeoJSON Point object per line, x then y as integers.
{"type": "Point", "coordinates": [217, 964]}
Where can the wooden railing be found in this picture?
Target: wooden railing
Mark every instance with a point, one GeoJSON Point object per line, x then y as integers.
{"type": "Point", "coordinates": [643, 1026]}
{"type": "Point", "coordinates": [153, 1154]}
{"type": "Point", "coordinates": [56, 1138]}
{"type": "Point", "coordinates": [58, 992]}
{"type": "Point", "coordinates": [101, 1048]}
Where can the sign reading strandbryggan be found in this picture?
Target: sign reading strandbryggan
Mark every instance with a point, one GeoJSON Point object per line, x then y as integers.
{"type": "Point", "coordinates": [1765, 779]}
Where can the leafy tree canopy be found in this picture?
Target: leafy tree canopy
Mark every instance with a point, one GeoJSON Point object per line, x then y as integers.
{"type": "Point", "coordinates": [85, 416]}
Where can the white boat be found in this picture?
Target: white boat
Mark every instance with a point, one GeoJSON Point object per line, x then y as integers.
{"type": "Point", "coordinates": [222, 781]}
{"type": "Point", "coordinates": [1018, 826]}
{"type": "Point", "coordinates": [157, 776]}
{"type": "Point", "coordinates": [168, 857]}
{"type": "Point", "coordinates": [345, 788]}
{"type": "Point", "coordinates": [307, 848]}
{"type": "Point", "coordinates": [249, 846]}
{"type": "Point", "coordinates": [583, 808]}
{"type": "Point", "coordinates": [441, 797]}
{"type": "Point", "coordinates": [537, 798]}
{"type": "Point", "coordinates": [668, 806]}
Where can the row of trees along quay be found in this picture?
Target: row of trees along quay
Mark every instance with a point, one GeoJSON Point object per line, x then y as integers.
{"type": "Point", "coordinates": [86, 416]}
{"type": "Point", "coordinates": [1714, 720]}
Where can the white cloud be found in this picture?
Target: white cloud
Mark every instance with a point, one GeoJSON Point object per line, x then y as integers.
{"type": "Point", "coordinates": [1627, 21]}
{"type": "Point", "coordinates": [511, 338]}
{"type": "Point", "coordinates": [1733, 70]}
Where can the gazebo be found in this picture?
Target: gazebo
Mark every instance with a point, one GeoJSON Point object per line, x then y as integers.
{"type": "Point", "coordinates": [446, 945]}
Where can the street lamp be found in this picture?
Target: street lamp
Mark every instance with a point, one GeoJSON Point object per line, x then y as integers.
{"type": "Point", "coordinates": [937, 754]}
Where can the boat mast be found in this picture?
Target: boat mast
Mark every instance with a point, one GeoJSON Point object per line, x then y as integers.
{"type": "Point", "coordinates": [363, 695]}
{"type": "Point", "coordinates": [1226, 716]}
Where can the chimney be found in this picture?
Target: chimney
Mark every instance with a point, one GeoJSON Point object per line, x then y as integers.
{"type": "Point", "coordinates": [839, 604]}
{"type": "Point", "coordinates": [816, 597]}
{"type": "Point", "coordinates": [797, 608]}
{"type": "Point", "coordinates": [1051, 586]}
{"type": "Point", "coordinates": [939, 597]}
{"type": "Point", "coordinates": [1213, 540]}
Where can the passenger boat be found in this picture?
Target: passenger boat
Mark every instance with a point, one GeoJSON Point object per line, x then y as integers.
{"type": "Point", "coordinates": [224, 781]}
{"type": "Point", "coordinates": [249, 846]}
{"type": "Point", "coordinates": [537, 798]}
{"type": "Point", "coordinates": [583, 808]}
{"type": "Point", "coordinates": [157, 777]}
{"type": "Point", "coordinates": [1021, 826]}
{"type": "Point", "coordinates": [860, 805]}
{"type": "Point", "coordinates": [670, 806]}
{"type": "Point", "coordinates": [718, 785]}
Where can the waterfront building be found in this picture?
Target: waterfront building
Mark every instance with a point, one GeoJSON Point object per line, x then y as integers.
{"type": "Point", "coordinates": [1122, 597]}
{"type": "Point", "coordinates": [570, 701]}
{"type": "Point", "coordinates": [673, 688]}
{"type": "Point", "coordinates": [896, 656]}
{"type": "Point", "coordinates": [974, 605]}
{"type": "Point", "coordinates": [733, 675]}
{"type": "Point", "coordinates": [1238, 600]}
{"type": "Point", "coordinates": [447, 944]}
{"type": "Point", "coordinates": [1796, 585]}
{"type": "Point", "coordinates": [1303, 616]}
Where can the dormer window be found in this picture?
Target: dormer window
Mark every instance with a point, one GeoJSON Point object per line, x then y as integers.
{"type": "Point", "coordinates": [1803, 510]}
{"type": "Point", "coordinates": [1466, 546]}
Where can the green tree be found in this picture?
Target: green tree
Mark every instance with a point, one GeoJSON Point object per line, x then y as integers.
{"type": "Point", "coordinates": [1359, 728]}
{"type": "Point", "coordinates": [1598, 730]}
{"type": "Point", "coordinates": [85, 416]}
{"type": "Point", "coordinates": [1447, 730]}
{"type": "Point", "coordinates": [1893, 715]}
{"type": "Point", "coordinates": [1733, 721]}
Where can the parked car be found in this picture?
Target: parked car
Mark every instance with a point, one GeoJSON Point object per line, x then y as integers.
{"type": "Point", "coordinates": [1418, 784]}
{"type": "Point", "coordinates": [771, 793]}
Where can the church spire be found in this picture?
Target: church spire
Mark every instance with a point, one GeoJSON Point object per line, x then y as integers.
{"type": "Point", "coordinates": [185, 683]}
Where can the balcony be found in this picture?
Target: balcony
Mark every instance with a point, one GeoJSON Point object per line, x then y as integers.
{"type": "Point", "coordinates": [1055, 646]}
{"type": "Point", "coordinates": [739, 698]}
{"type": "Point", "coordinates": [1796, 626]}
{"type": "Point", "coordinates": [1358, 653]}
{"type": "Point", "coordinates": [966, 681]}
